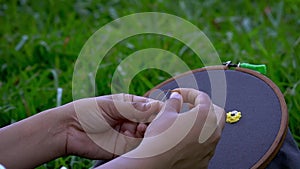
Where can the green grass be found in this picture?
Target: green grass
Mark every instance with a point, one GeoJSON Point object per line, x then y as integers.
{"type": "Point", "coordinates": [32, 70]}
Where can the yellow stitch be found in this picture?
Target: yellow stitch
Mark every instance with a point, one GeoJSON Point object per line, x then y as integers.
{"type": "Point", "coordinates": [233, 116]}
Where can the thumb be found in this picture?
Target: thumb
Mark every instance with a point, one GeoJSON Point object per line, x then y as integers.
{"type": "Point", "coordinates": [172, 106]}
{"type": "Point", "coordinates": [167, 115]}
{"type": "Point", "coordinates": [174, 103]}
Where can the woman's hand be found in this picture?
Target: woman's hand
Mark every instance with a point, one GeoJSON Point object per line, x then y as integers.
{"type": "Point", "coordinates": [108, 126]}
{"type": "Point", "coordinates": [178, 140]}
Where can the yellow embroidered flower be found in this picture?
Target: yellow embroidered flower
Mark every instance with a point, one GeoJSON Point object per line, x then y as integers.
{"type": "Point", "coordinates": [233, 116]}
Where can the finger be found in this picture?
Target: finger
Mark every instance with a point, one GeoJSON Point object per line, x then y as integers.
{"type": "Point", "coordinates": [202, 121]}
{"type": "Point", "coordinates": [128, 133]}
{"type": "Point", "coordinates": [220, 113]}
{"type": "Point", "coordinates": [174, 103]}
{"type": "Point", "coordinates": [142, 127]}
{"type": "Point", "coordinates": [129, 126]}
{"type": "Point", "coordinates": [129, 98]}
{"type": "Point", "coordinates": [171, 106]}
{"type": "Point", "coordinates": [136, 111]}
{"type": "Point", "coordinates": [210, 125]}
{"type": "Point", "coordinates": [195, 118]}
{"type": "Point", "coordinates": [214, 129]}
{"type": "Point", "coordinates": [144, 107]}
{"type": "Point", "coordinates": [140, 130]}
{"type": "Point", "coordinates": [193, 96]}
{"type": "Point", "coordinates": [135, 130]}
{"type": "Point", "coordinates": [208, 117]}
{"type": "Point", "coordinates": [153, 105]}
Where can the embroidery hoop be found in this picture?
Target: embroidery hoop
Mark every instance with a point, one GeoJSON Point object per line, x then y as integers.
{"type": "Point", "coordinates": [233, 158]}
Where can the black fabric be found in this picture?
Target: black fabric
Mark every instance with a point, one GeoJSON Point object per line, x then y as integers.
{"type": "Point", "coordinates": [288, 156]}
{"type": "Point", "coordinates": [244, 143]}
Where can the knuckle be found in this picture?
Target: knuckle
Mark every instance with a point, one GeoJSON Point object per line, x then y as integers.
{"type": "Point", "coordinates": [204, 95]}
{"type": "Point", "coordinates": [203, 99]}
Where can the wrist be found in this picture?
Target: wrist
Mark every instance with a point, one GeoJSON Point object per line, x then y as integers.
{"type": "Point", "coordinates": [66, 123]}
{"type": "Point", "coordinates": [58, 125]}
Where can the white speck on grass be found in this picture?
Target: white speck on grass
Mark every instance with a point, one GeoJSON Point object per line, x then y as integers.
{"type": "Point", "coordinates": [246, 24]}
{"type": "Point", "coordinates": [229, 36]}
{"type": "Point", "coordinates": [22, 42]}
{"type": "Point", "coordinates": [59, 96]}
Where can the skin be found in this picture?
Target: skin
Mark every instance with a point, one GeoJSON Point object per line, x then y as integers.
{"type": "Point", "coordinates": [115, 127]}
{"type": "Point", "coordinates": [194, 150]}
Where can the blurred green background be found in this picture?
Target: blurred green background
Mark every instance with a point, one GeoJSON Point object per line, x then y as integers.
{"type": "Point", "coordinates": [40, 41]}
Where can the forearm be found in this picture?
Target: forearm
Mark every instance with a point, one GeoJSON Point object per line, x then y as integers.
{"type": "Point", "coordinates": [33, 141]}
{"type": "Point", "coordinates": [130, 163]}
{"type": "Point", "coordinates": [136, 159]}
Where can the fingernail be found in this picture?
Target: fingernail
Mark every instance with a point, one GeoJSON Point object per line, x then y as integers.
{"type": "Point", "coordinates": [175, 95]}
{"type": "Point", "coordinates": [148, 105]}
